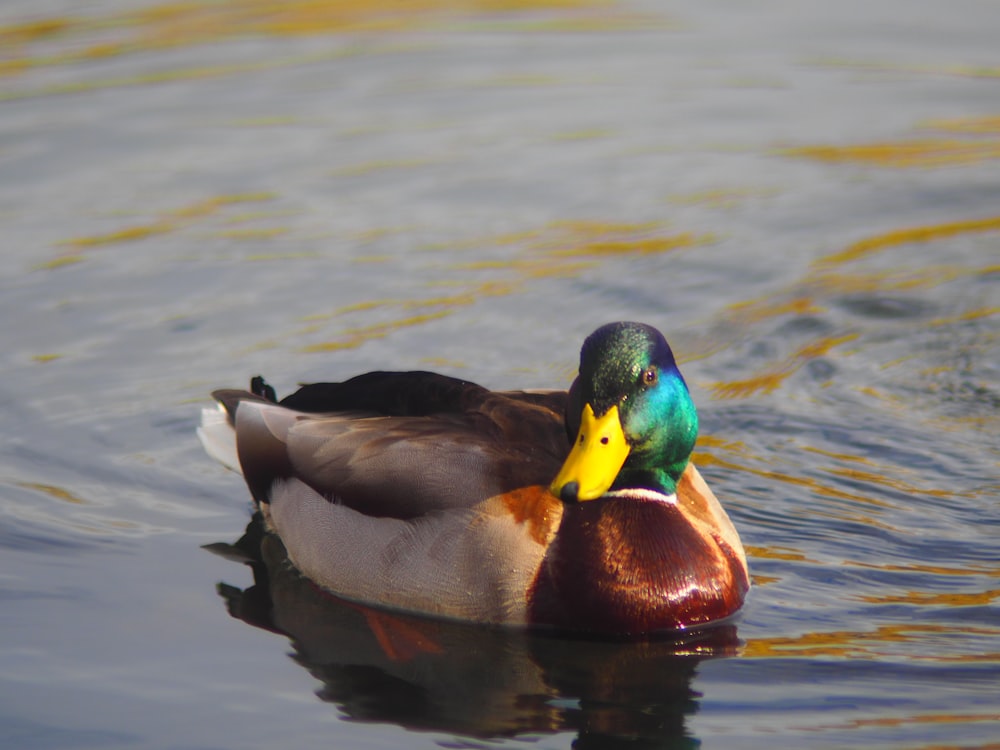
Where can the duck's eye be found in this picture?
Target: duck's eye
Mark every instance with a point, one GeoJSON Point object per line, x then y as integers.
{"type": "Point", "coordinates": [650, 376]}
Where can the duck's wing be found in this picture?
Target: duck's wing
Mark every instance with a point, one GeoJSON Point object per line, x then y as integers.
{"type": "Point", "coordinates": [401, 466]}
{"type": "Point", "coordinates": [418, 393]}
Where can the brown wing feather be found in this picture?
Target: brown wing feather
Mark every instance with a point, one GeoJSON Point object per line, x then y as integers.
{"type": "Point", "coordinates": [476, 444]}
{"type": "Point", "coordinates": [404, 467]}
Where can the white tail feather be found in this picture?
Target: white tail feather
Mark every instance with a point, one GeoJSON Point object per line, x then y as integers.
{"type": "Point", "coordinates": [219, 438]}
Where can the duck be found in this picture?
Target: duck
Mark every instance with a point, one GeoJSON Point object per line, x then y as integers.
{"type": "Point", "coordinates": [578, 510]}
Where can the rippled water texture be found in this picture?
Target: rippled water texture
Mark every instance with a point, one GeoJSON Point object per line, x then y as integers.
{"type": "Point", "coordinates": [804, 196]}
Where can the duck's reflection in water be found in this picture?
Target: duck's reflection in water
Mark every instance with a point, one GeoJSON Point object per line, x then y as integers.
{"type": "Point", "coordinates": [473, 681]}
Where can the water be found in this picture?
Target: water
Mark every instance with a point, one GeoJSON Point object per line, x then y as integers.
{"type": "Point", "coordinates": [805, 199]}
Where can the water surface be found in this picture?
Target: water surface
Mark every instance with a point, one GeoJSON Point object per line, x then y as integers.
{"type": "Point", "coordinates": [805, 199]}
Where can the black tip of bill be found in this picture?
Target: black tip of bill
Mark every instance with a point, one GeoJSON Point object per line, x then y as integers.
{"type": "Point", "coordinates": [570, 492]}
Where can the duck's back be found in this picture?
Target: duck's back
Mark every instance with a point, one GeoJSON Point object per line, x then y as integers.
{"type": "Point", "coordinates": [398, 444]}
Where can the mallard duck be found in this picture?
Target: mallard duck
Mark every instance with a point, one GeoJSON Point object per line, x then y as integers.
{"type": "Point", "coordinates": [422, 493]}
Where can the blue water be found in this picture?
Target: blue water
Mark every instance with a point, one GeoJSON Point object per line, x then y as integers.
{"type": "Point", "coordinates": [805, 199]}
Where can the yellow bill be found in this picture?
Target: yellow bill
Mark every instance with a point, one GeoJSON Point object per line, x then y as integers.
{"type": "Point", "coordinates": [597, 455]}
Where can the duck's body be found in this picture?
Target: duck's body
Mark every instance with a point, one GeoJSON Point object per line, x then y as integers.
{"type": "Point", "coordinates": [427, 494]}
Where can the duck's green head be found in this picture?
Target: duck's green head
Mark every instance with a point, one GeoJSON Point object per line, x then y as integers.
{"type": "Point", "coordinates": [630, 415]}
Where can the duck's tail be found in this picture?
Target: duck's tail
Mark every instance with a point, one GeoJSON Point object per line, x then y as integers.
{"type": "Point", "coordinates": [218, 436]}
{"type": "Point", "coordinates": [217, 431]}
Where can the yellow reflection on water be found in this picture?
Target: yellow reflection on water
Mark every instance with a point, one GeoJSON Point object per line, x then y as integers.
{"type": "Point", "coordinates": [752, 311]}
{"type": "Point", "coordinates": [722, 198]}
{"type": "Point", "coordinates": [30, 31]}
{"type": "Point", "coordinates": [129, 234]}
{"type": "Point", "coordinates": [179, 24]}
{"type": "Point", "coordinates": [879, 478]}
{"type": "Point", "coordinates": [976, 314]}
{"type": "Point", "coordinates": [864, 460]}
{"type": "Point", "coordinates": [831, 277]}
{"type": "Point", "coordinates": [46, 357]}
{"type": "Point", "coordinates": [355, 337]}
{"type": "Point", "coordinates": [924, 598]}
{"type": "Point", "coordinates": [926, 233]}
{"type": "Point", "coordinates": [714, 441]}
{"type": "Point", "coordinates": [556, 249]}
{"type": "Point", "coordinates": [866, 644]}
{"type": "Point", "coordinates": [638, 246]}
{"type": "Point", "coordinates": [771, 379]}
{"type": "Point", "coordinates": [59, 493]}
{"type": "Point", "coordinates": [169, 222]}
{"type": "Point", "coordinates": [987, 125]}
{"type": "Point", "coordinates": [922, 153]}
{"type": "Point", "coordinates": [813, 484]}
{"type": "Point", "coordinates": [778, 552]}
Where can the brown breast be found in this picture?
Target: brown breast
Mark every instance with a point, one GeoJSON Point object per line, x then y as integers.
{"type": "Point", "coordinates": [624, 565]}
